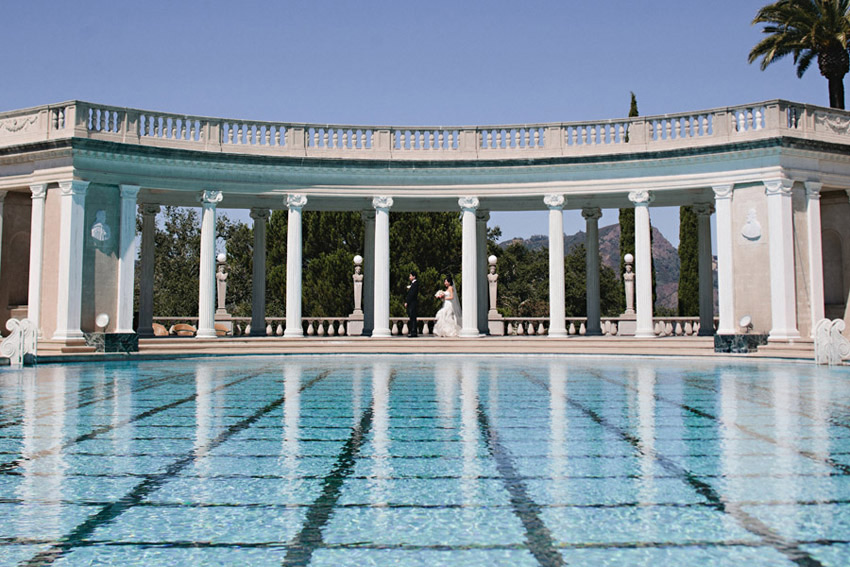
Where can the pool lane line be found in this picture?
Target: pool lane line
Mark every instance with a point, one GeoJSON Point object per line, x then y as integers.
{"type": "Point", "coordinates": [12, 465]}
{"type": "Point", "coordinates": [790, 549]}
{"type": "Point", "coordinates": [538, 538]}
{"type": "Point", "coordinates": [840, 467]}
{"type": "Point", "coordinates": [309, 538]}
{"type": "Point", "coordinates": [113, 510]}
{"type": "Point", "coordinates": [153, 382]}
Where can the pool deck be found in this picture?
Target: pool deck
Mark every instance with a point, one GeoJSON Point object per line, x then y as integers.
{"type": "Point", "coordinates": [168, 347]}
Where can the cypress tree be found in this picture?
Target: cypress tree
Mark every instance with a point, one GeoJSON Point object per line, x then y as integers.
{"type": "Point", "coordinates": [688, 263]}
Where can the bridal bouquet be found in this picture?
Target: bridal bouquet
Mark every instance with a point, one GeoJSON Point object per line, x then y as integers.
{"type": "Point", "coordinates": [440, 294]}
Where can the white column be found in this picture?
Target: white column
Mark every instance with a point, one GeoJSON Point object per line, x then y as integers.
{"type": "Point", "coordinates": [295, 202]}
{"type": "Point", "coordinates": [149, 213]}
{"type": "Point", "coordinates": [39, 192]}
{"type": "Point", "coordinates": [258, 282]}
{"type": "Point", "coordinates": [70, 276]}
{"type": "Point", "coordinates": [725, 282]}
{"type": "Point", "coordinates": [206, 279]}
{"type": "Point", "coordinates": [481, 218]}
{"type": "Point", "coordinates": [469, 264]}
{"type": "Point", "coordinates": [643, 264]}
{"type": "Point", "coordinates": [381, 281]}
{"type": "Point", "coordinates": [783, 296]}
{"type": "Point", "coordinates": [594, 323]}
{"type": "Point", "coordinates": [368, 272]}
{"type": "Point", "coordinates": [815, 252]}
{"type": "Point", "coordinates": [557, 308]}
{"type": "Point", "coordinates": [706, 280]}
{"type": "Point", "coordinates": [126, 259]}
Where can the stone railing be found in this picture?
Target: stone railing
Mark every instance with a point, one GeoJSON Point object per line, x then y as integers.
{"type": "Point", "coordinates": [161, 129]}
{"type": "Point", "coordinates": [663, 326]}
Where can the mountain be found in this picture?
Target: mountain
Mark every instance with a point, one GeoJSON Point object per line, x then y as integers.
{"type": "Point", "coordinates": [664, 254]}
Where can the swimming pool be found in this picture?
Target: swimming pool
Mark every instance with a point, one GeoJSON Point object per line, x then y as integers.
{"type": "Point", "coordinates": [425, 460]}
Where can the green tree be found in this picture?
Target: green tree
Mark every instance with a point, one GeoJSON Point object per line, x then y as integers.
{"type": "Point", "coordinates": [627, 218]}
{"type": "Point", "coordinates": [807, 29]}
{"type": "Point", "coordinates": [575, 276]}
{"type": "Point", "coordinates": [688, 262]}
{"type": "Point", "coordinates": [523, 281]}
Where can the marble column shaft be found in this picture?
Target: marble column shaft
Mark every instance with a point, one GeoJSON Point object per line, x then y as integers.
{"type": "Point", "coordinates": [725, 282]}
{"type": "Point", "coordinates": [469, 265]}
{"type": "Point", "coordinates": [813, 223]}
{"type": "Point", "coordinates": [594, 312]}
{"type": "Point", "coordinates": [557, 294]}
{"type": "Point", "coordinates": [706, 279]}
{"type": "Point", "coordinates": [39, 192]}
{"type": "Point", "coordinates": [206, 277]}
{"type": "Point", "coordinates": [295, 202]}
{"type": "Point", "coordinates": [381, 282]}
{"type": "Point", "coordinates": [149, 213]}
{"type": "Point", "coordinates": [783, 297]}
{"type": "Point", "coordinates": [258, 282]}
{"type": "Point", "coordinates": [643, 264]}
{"type": "Point", "coordinates": [126, 259]}
{"type": "Point", "coordinates": [70, 277]}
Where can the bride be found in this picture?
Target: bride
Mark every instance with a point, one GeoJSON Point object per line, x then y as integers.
{"type": "Point", "coordinates": [448, 317]}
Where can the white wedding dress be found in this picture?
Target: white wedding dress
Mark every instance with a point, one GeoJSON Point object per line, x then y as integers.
{"type": "Point", "coordinates": [448, 318]}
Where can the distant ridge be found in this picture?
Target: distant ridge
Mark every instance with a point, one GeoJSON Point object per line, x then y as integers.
{"type": "Point", "coordinates": [665, 255]}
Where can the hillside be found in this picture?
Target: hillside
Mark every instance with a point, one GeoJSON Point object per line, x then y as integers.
{"type": "Point", "coordinates": [664, 254]}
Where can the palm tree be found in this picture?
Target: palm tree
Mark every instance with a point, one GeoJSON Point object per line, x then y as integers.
{"type": "Point", "coordinates": [808, 29]}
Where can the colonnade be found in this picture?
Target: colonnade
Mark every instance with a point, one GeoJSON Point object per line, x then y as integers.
{"type": "Point", "coordinates": [377, 269]}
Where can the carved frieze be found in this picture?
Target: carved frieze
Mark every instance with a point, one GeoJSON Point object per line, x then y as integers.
{"type": "Point", "coordinates": [834, 123]}
{"type": "Point", "coordinates": [19, 123]}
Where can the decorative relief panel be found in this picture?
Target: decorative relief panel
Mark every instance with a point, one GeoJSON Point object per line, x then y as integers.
{"type": "Point", "coordinates": [752, 228]}
{"type": "Point", "coordinates": [833, 123]}
{"type": "Point", "coordinates": [19, 123]}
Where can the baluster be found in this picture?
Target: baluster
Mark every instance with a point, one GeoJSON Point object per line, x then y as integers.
{"type": "Point", "coordinates": [537, 137]}
{"type": "Point", "coordinates": [489, 139]}
{"type": "Point", "coordinates": [335, 138]}
{"type": "Point", "coordinates": [614, 329]}
{"type": "Point", "coordinates": [689, 328]}
{"type": "Point", "coordinates": [173, 128]}
{"type": "Point", "coordinates": [441, 139]}
{"type": "Point", "coordinates": [541, 330]}
{"type": "Point", "coordinates": [571, 330]}
{"type": "Point", "coordinates": [279, 330]}
{"type": "Point", "coordinates": [277, 135]}
{"type": "Point", "coordinates": [510, 329]}
{"type": "Point", "coordinates": [430, 139]}
{"type": "Point", "coordinates": [758, 119]}
{"type": "Point", "coordinates": [520, 328]}
{"type": "Point", "coordinates": [584, 135]}
{"type": "Point", "coordinates": [363, 139]}
{"type": "Point", "coordinates": [269, 329]}
{"type": "Point", "coordinates": [320, 328]}
{"type": "Point", "coordinates": [582, 329]}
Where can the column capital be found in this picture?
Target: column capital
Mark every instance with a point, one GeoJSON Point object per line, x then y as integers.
{"type": "Point", "coordinates": [779, 186]}
{"type": "Point", "coordinates": [74, 187]}
{"type": "Point", "coordinates": [148, 209]}
{"type": "Point", "coordinates": [482, 215]}
{"type": "Point", "coordinates": [260, 214]}
{"type": "Point", "coordinates": [210, 198]}
{"type": "Point", "coordinates": [129, 191]}
{"type": "Point", "coordinates": [39, 190]}
{"type": "Point", "coordinates": [468, 203]}
{"type": "Point", "coordinates": [813, 189]}
{"type": "Point", "coordinates": [723, 191]}
{"type": "Point", "coordinates": [382, 202]}
{"type": "Point", "coordinates": [703, 209]}
{"type": "Point", "coordinates": [641, 198]}
{"type": "Point", "coordinates": [554, 200]}
{"type": "Point", "coordinates": [591, 213]}
{"type": "Point", "coordinates": [296, 201]}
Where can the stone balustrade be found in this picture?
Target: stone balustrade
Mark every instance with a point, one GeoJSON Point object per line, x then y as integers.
{"type": "Point", "coordinates": [77, 119]}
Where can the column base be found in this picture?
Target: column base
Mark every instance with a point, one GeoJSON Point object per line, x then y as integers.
{"type": "Point", "coordinates": [205, 334]}
{"type": "Point", "coordinates": [468, 333]}
{"type": "Point", "coordinates": [68, 335]}
{"type": "Point", "coordinates": [557, 334]}
{"type": "Point", "coordinates": [381, 333]}
{"type": "Point", "coordinates": [295, 333]}
{"type": "Point", "coordinates": [645, 334]}
{"type": "Point", "coordinates": [783, 335]}
{"type": "Point", "coordinates": [593, 333]}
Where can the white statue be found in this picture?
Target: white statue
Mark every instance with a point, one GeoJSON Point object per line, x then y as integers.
{"type": "Point", "coordinates": [101, 233]}
{"type": "Point", "coordinates": [221, 287]}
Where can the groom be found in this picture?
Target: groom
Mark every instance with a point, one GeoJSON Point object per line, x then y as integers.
{"type": "Point", "coordinates": [411, 303]}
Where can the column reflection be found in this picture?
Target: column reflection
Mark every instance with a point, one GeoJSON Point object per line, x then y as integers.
{"type": "Point", "coordinates": [469, 433]}
{"type": "Point", "coordinates": [290, 449]}
{"type": "Point", "coordinates": [203, 404]}
{"type": "Point", "coordinates": [786, 395]}
{"type": "Point", "coordinates": [381, 463]}
{"type": "Point", "coordinates": [122, 435]}
{"type": "Point", "coordinates": [730, 446]}
{"type": "Point", "coordinates": [647, 490]}
{"type": "Point", "coordinates": [558, 485]}
{"type": "Point", "coordinates": [41, 490]}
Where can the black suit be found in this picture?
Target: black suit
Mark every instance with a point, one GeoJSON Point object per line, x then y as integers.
{"type": "Point", "coordinates": [412, 301]}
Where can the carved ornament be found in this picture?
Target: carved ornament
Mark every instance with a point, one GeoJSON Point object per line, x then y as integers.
{"type": "Point", "coordinates": [150, 209]}
{"type": "Point", "coordinates": [813, 189]}
{"type": "Point", "coordinates": [19, 124]}
{"type": "Point", "coordinates": [73, 187]}
{"type": "Point", "coordinates": [382, 202]}
{"type": "Point", "coordinates": [836, 124]}
{"type": "Point", "coordinates": [779, 186]}
{"type": "Point", "coordinates": [468, 203]}
{"type": "Point", "coordinates": [554, 200]}
{"type": "Point", "coordinates": [591, 213]}
{"type": "Point", "coordinates": [39, 190]}
{"type": "Point", "coordinates": [640, 197]}
{"type": "Point", "coordinates": [296, 200]}
{"type": "Point", "coordinates": [722, 191]}
{"type": "Point", "coordinates": [260, 214]}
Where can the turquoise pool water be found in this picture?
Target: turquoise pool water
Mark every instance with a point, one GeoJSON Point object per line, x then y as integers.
{"type": "Point", "coordinates": [430, 460]}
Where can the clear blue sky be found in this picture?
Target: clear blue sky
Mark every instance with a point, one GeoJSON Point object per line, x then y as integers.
{"type": "Point", "coordinates": [398, 62]}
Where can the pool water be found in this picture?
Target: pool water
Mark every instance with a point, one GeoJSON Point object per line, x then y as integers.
{"type": "Point", "coordinates": [425, 460]}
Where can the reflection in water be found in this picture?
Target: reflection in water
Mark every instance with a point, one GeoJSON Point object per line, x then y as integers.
{"type": "Point", "coordinates": [729, 435]}
{"type": "Point", "coordinates": [647, 490]}
{"type": "Point", "coordinates": [44, 424]}
{"type": "Point", "coordinates": [356, 396]}
{"type": "Point", "coordinates": [382, 470]}
{"type": "Point", "coordinates": [290, 449]}
{"type": "Point", "coordinates": [559, 487]}
{"type": "Point", "coordinates": [786, 394]}
{"type": "Point", "coordinates": [203, 384]}
{"type": "Point", "coordinates": [469, 432]}
{"type": "Point", "coordinates": [445, 379]}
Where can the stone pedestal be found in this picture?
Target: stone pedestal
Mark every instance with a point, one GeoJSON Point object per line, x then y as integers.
{"type": "Point", "coordinates": [112, 342]}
